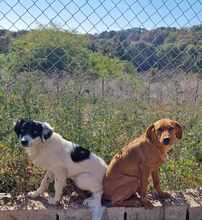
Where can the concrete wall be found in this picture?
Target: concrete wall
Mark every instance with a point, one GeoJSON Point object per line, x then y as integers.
{"type": "Point", "coordinates": [159, 213]}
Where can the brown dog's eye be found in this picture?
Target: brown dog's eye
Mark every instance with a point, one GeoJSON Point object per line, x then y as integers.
{"type": "Point", "coordinates": [170, 129]}
{"type": "Point", "coordinates": [160, 129]}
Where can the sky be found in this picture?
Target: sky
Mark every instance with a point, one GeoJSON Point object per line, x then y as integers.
{"type": "Point", "coordinates": [96, 16]}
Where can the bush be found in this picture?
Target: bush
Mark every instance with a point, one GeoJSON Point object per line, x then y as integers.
{"type": "Point", "coordinates": [48, 51]}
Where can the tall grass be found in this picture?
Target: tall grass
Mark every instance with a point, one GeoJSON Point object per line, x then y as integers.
{"type": "Point", "coordinates": [99, 124]}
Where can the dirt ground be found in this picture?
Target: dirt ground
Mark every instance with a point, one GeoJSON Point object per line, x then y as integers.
{"type": "Point", "coordinates": [192, 197]}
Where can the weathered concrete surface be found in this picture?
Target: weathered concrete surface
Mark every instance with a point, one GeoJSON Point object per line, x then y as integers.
{"type": "Point", "coordinates": [158, 213]}
{"type": "Point", "coordinates": [116, 213]}
{"type": "Point", "coordinates": [195, 213]}
{"type": "Point", "coordinates": [194, 200]}
{"type": "Point", "coordinates": [74, 214]}
{"type": "Point", "coordinates": [81, 214]}
{"type": "Point", "coordinates": [144, 214]}
{"type": "Point", "coordinates": [27, 215]}
{"type": "Point", "coordinates": [175, 212]}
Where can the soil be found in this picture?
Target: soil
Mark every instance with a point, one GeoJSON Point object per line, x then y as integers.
{"type": "Point", "coordinates": [192, 197]}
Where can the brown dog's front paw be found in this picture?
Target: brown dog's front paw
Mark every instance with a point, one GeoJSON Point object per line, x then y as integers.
{"type": "Point", "coordinates": [164, 195]}
{"type": "Point", "coordinates": [147, 203]}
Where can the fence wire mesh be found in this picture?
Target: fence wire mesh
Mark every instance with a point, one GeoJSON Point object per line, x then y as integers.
{"type": "Point", "coordinates": [100, 72]}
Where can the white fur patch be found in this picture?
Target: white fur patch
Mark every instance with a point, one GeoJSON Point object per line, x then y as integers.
{"type": "Point", "coordinates": [54, 156]}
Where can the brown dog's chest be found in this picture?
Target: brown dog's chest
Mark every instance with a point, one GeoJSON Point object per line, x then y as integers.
{"type": "Point", "coordinates": [155, 160]}
{"type": "Point", "coordinates": [152, 165]}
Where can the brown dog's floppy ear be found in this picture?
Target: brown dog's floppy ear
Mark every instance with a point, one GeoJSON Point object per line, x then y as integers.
{"type": "Point", "coordinates": [178, 128]}
{"type": "Point", "coordinates": [150, 133]}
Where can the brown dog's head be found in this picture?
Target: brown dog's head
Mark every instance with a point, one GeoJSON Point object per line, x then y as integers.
{"type": "Point", "coordinates": [164, 132]}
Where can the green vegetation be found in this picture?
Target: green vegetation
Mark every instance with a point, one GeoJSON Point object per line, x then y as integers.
{"type": "Point", "coordinates": [105, 67]}
{"type": "Point", "coordinates": [162, 48]}
{"type": "Point", "coordinates": [50, 75]}
{"type": "Point", "coordinates": [103, 126]}
{"type": "Point", "coordinates": [53, 51]}
{"type": "Point", "coordinates": [49, 51]}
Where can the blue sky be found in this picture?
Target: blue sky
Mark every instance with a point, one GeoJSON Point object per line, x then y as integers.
{"type": "Point", "coordinates": [95, 16]}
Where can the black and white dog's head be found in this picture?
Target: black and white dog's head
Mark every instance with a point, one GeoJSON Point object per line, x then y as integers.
{"type": "Point", "coordinates": [30, 131]}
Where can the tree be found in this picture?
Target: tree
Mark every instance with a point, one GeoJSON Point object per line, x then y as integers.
{"type": "Point", "coordinates": [105, 67]}
{"type": "Point", "coordinates": [142, 55]}
{"type": "Point", "coordinates": [49, 51]}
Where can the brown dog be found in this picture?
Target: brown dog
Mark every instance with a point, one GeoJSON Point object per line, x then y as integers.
{"type": "Point", "coordinates": [129, 171]}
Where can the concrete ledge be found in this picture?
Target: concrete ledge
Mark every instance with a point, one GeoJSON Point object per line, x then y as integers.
{"type": "Point", "coordinates": [195, 213]}
{"type": "Point", "coordinates": [121, 213]}
{"type": "Point", "coordinates": [27, 215]}
{"type": "Point", "coordinates": [159, 213]}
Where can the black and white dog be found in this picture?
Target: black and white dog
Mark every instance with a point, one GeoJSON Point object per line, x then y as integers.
{"type": "Point", "coordinates": [62, 159]}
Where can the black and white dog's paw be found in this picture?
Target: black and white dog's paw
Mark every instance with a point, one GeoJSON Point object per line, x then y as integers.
{"type": "Point", "coordinates": [90, 202]}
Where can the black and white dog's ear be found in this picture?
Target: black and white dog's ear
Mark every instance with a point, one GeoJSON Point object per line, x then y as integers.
{"type": "Point", "coordinates": [47, 131]}
{"type": "Point", "coordinates": [17, 126]}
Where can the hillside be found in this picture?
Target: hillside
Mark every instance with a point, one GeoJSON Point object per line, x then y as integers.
{"type": "Point", "coordinates": [164, 49]}
{"type": "Point", "coordinates": [161, 48]}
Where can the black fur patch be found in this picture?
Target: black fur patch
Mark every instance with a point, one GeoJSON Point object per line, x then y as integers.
{"type": "Point", "coordinates": [28, 127]}
{"type": "Point", "coordinates": [79, 154]}
{"type": "Point", "coordinates": [48, 135]}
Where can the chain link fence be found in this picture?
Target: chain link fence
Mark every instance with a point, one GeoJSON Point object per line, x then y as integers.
{"type": "Point", "coordinates": [100, 72]}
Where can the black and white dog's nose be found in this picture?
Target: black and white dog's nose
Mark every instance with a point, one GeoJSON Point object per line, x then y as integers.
{"type": "Point", "coordinates": [24, 142]}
